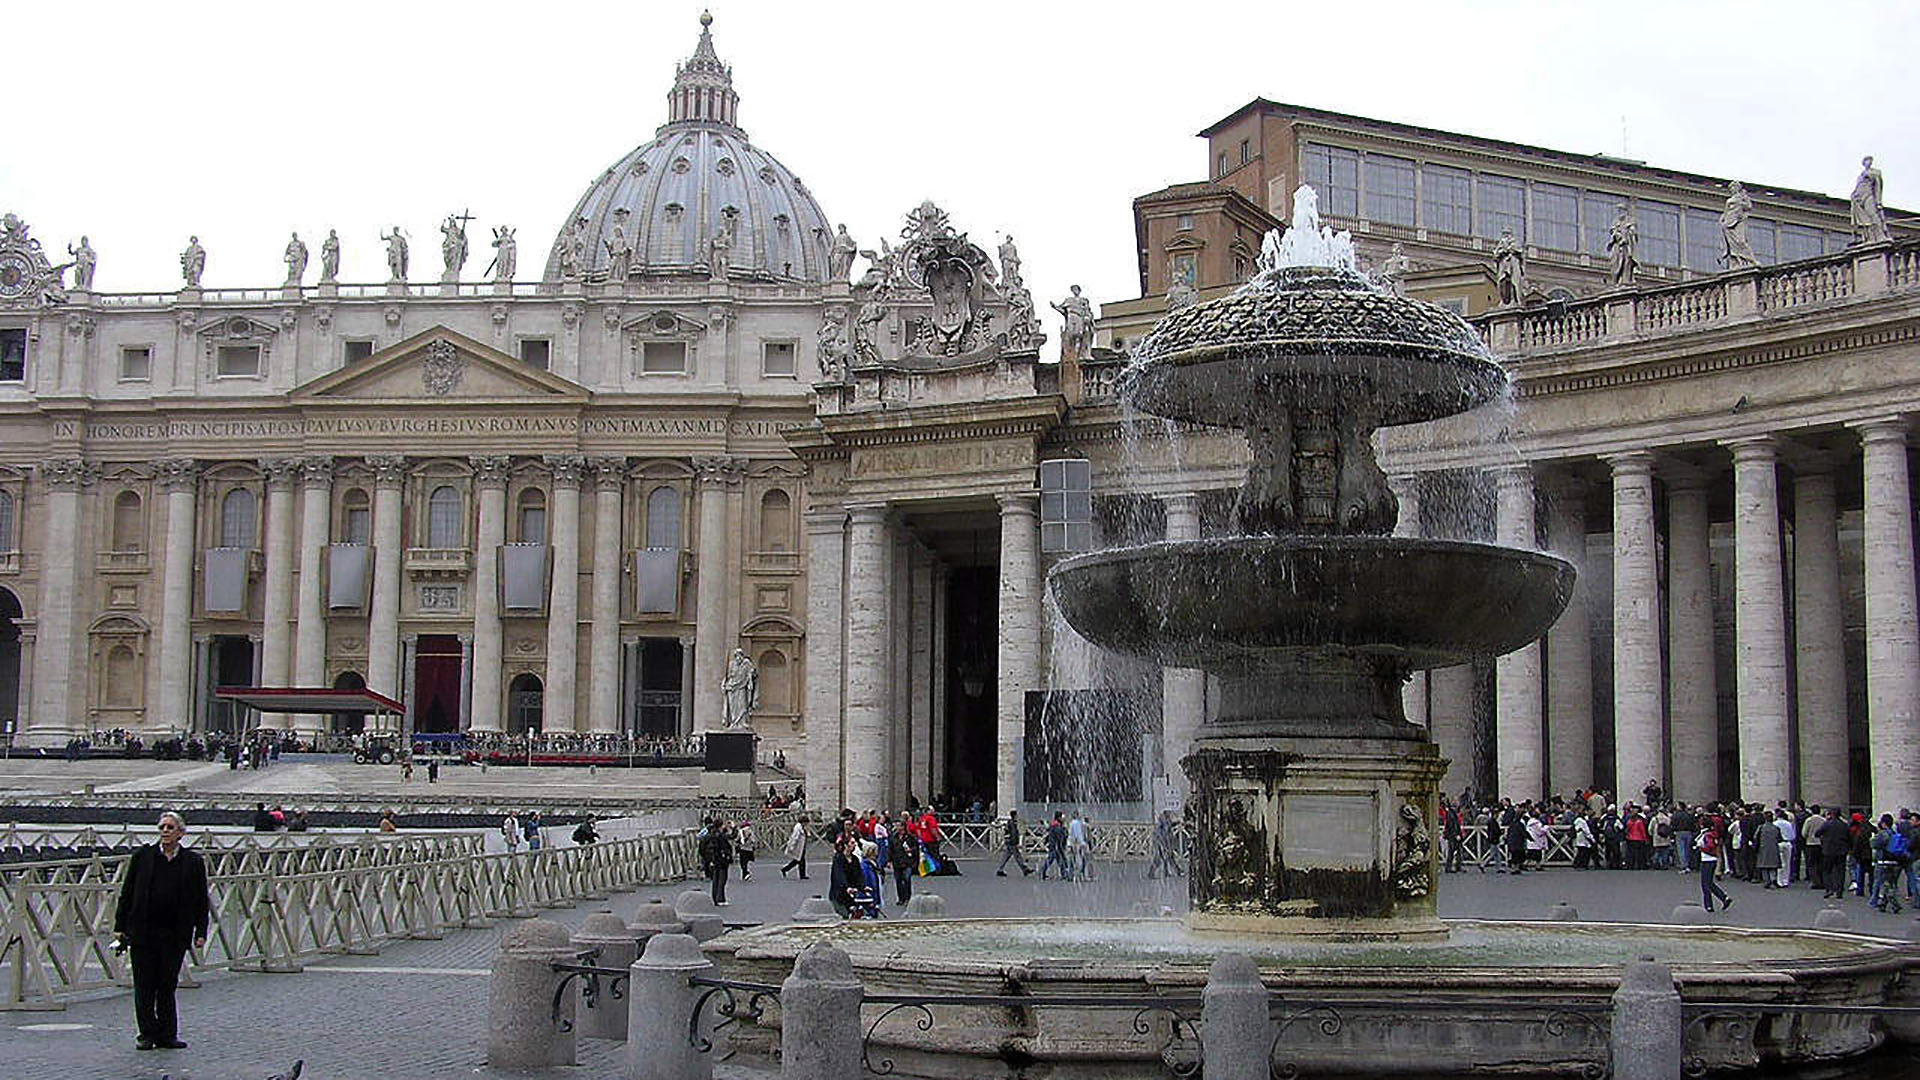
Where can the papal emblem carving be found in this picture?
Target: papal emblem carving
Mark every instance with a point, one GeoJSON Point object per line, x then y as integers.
{"type": "Point", "coordinates": [441, 371]}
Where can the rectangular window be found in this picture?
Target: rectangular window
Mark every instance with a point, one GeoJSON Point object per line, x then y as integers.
{"type": "Point", "coordinates": [1705, 249]}
{"type": "Point", "coordinates": [1762, 233]}
{"type": "Point", "coordinates": [1800, 242]}
{"type": "Point", "coordinates": [1334, 175]}
{"type": "Point", "coordinates": [1500, 204]}
{"type": "Point", "coordinates": [136, 363]}
{"type": "Point", "coordinates": [1066, 505]}
{"type": "Point", "coordinates": [237, 360]}
{"type": "Point", "coordinates": [1390, 190]}
{"type": "Point", "coordinates": [1246, 151]}
{"type": "Point", "coordinates": [776, 359]}
{"type": "Point", "coordinates": [1220, 168]}
{"type": "Point", "coordinates": [1597, 211]}
{"type": "Point", "coordinates": [536, 352]}
{"type": "Point", "coordinates": [1659, 233]}
{"type": "Point", "coordinates": [1184, 223]}
{"type": "Point", "coordinates": [1556, 217]}
{"type": "Point", "coordinates": [1446, 199]}
{"type": "Point", "coordinates": [358, 349]}
{"type": "Point", "coordinates": [663, 358]}
{"type": "Point", "coordinates": [13, 354]}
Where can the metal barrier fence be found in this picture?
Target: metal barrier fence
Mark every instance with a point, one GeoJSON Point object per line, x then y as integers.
{"type": "Point", "coordinates": [274, 908]}
{"type": "Point", "coordinates": [19, 840]}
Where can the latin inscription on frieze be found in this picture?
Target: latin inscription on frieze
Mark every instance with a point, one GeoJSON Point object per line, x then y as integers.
{"type": "Point", "coordinates": [941, 459]}
{"type": "Point", "coordinates": [139, 430]}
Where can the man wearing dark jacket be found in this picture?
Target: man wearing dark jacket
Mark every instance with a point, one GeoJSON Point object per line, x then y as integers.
{"type": "Point", "coordinates": [163, 905]}
{"type": "Point", "coordinates": [1834, 840]}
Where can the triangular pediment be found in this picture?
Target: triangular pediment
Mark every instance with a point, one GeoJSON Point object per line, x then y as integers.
{"type": "Point", "coordinates": [440, 365]}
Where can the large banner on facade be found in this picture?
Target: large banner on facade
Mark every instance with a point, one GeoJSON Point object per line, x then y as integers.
{"type": "Point", "coordinates": [347, 582]}
{"type": "Point", "coordinates": [523, 577]}
{"type": "Point", "coordinates": [656, 580]}
{"type": "Point", "coordinates": [226, 578]}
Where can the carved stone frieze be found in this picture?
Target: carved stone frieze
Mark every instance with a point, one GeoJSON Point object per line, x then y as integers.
{"type": "Point", "coordinates": [441, 371]}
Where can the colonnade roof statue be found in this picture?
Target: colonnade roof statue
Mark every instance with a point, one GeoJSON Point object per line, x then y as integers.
{"type": "Point", "coordinates": [699, 178]}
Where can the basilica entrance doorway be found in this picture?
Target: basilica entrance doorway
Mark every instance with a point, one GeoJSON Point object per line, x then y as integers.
{"type": "Point", "coordinates": [970, 746]}
{"type": "Point", "coordinates": [658, 704]}
{"type": "Point", "coordinates": [435, 707]}
{"type": "Point", "coordinates": [349, 723]}
{"type": "Point", "coordinates": [10, 615]}
{"type": "Point", "coordinates": [232, 666]}
{"type": "Point", "coordinates": [526, 700]}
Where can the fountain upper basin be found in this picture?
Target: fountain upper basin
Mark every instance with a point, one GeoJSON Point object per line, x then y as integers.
{"type": "Point", "coordinates": [1247, 604]}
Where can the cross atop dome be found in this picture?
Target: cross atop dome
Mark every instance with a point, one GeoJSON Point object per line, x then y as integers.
{"type": "Point", "coordinates": [703, 86]}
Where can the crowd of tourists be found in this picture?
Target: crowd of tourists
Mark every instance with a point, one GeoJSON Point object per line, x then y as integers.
{"type": "Point", "coordinates": [1835, 851]}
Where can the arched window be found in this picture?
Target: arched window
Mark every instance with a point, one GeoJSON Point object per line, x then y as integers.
{"type": "Point", "coordinates": [776, 521]}
{"type": "Point", "coordinates": [123, 678]}
{"type": "Point", "coordinates": [356, 517]}
{"type": "Point", "coordinates": [443, 517]}
{"type": "Point", "coordinates": [532, 518]}
{"type": "Point", "coordinates": [663, 518]}
{"type": "Point", "coordinates": [6, 521]}
{"type": "Point", "coordinates": [129, 530]}
{"type": "Point", "coordinates": [237, 524]}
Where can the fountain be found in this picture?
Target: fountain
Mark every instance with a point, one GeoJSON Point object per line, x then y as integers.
{"type": "Point", "coordinates": [1313, 799]}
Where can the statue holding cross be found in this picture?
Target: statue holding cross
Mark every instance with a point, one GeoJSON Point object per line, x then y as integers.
{"type": "Point", "coordinates": [453, 244]}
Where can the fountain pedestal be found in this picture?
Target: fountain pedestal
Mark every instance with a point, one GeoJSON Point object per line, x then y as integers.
{"type": "Point", "coordinates": [1315, 836]}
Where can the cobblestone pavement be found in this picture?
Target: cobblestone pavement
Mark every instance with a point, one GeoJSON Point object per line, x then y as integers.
{"type": "Point", "coordinates": [417, 1010]}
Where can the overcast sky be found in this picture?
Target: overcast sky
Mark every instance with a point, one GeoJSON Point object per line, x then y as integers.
{"type": "Point", "coordinates": [141, 123]}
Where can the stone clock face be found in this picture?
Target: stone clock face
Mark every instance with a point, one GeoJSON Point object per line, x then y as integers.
{"type": "Point", "coordinates": [16, 274]}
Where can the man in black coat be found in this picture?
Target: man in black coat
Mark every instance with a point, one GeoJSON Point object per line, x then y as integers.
{"type": "Point", "coordinates": [1834, 840]}
{"type": "Point", "coordinates": [164, 904]}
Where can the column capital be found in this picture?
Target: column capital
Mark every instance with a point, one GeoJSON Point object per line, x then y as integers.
{"type": "Point", "coordinates": [389, 470]}
{"type": "Point", "coordinates": [280, 472]}
{"type": "Point", "coordinates": [1184, 502]}
{"type": "Point", "coordinates": [178, 474]}
{"type": "Point", "coordinates": [1884, 429]}
{"type": "Point", "coordinates": [1512, 474]}
{"type": "Point", "coordinates": [1753, 449]}
{"type": "Point", "coordinates": [1631, 463]}
{"type": "Point", "coordinates": [717, 470]}
{"type": "Point", "coordinates": [825, 522]}
{"type": "Point", "coordinates": [317, 471]}
{"type": "Point", "coordinates": [68, 474]}
{"type": "Point", "coordinates": [868, 513]}
{"type": "Point", "coordinates": [568, 469]}
{"type": "Point", "coordinates": [490, 470]}
{"type": "Point", "coordinates": [609, 473]}
{"type": "Point", "coordinates": [1018, 503]}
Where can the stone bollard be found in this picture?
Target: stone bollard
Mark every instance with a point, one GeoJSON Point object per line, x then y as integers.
{"type": "Point", "coordinates": [702, 916]}
{"type": "Point", "coordinates": [1565, 912]}
{"type": "Point", "coordinates": [926, 906]}
{"type": "Point", "coordinates": [1832, 918]}
{"type": "Point", "coordinates": [1239, 1029]}
{"type": "Point", "coordinates": [606, 1016]}
{"type": "Point", "coordinates": [654, 917]}
{"type": "Point", "coordinates": [815, 910]}
{"type": "Point", "coordinates": [1648, 1036]}
{"type": "Point", "coordinates": [820, 1017]}
{"type": "Point", "coordinates": [659, 1003]}
{"type": "Point", "coordinates": [521, 1033]}
{"type": "Point", "coordinates": [1689, 914]}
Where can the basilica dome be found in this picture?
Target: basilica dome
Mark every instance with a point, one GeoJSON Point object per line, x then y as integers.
{"type": "Point", "coordinates": [668, 199]}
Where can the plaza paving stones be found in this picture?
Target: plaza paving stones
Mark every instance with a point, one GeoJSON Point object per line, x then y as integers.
{"type": "Point", "coordinates": [416, 1010]}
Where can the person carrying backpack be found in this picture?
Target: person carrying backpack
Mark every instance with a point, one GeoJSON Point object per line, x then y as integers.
{"type": "Point", "coordinates": [1888, 865]}
{"type": "Point", "coordinates": [1710, 852]}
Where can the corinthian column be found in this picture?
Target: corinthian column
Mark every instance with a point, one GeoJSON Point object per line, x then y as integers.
{"type": "Point", "coordinates": [712, 476]}
{"type": "Point", "coordinates": [181, 481]}
{"type": "Point", "coordinates": [1183, 691]}
{"type": "Point", "coordinates": [1636, 625]}
{"type": "Point", "coordinates": [563, 601]}
{"type": "Point", "coordinates": [383, 609]}
{"type": "Point", "coordinates": [58, 636]}
{"type": "Point", "coordinates": [1893, 631]}
{"type": "Point", "coordinates": [1760, 622]}
{"type": "Point", "coordinates": [1018, 670]}
{"type": "Point", "coordinates": [1820, 669]}
{"type": "Point", "coordinates": [603, 640]}
{"type": "Point", "coordinates": [1569, 646]}
{"type": "Point", "coordinates": [490, 476]}
{"type": "Point", "coordinates": [1692, 684]}
{"type": "Point", "coordinates": [310, 627]}
{"type": "Point", "coordinates": [867, 695]}
{"type": "Point", "coordinates": [1517, 719]}
{"type": "Point", "coordinates": [276, 624]}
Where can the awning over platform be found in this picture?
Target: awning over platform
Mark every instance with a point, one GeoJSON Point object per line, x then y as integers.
{"type": "Point", "coordinates": [295, 699]}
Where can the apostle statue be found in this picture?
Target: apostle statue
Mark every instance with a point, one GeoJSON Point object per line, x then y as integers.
{"type": "Point", "coordinates": [296, 260]}
{"type": "Point", "coordinates": [506, 253]}
{"type": "Point", "coordinates": [1622, 239]}
{"type": "Point", "coordinates": [741, 687]}
{"type": "Point", "coordinates": [1510, 269]}
{"type": "Point", "coordinates": [1077, 335]}
{"type": "Point", "coordinates": [720, 252]}
{"type": "Point", "coordinates": [396, 254]}
{"type": "Point", "coordinates": [330, 258]}
{"type": "Point", "coordinates": [1010, 263]}
{"type": "Point", "coordinates": [83, 264]}
{"type": "Point", "coordinates": [840, 256]}
{"type": "Point", "coordinates": [453, 245]}
{"type": "Point", "coordinates": [1733, 229]}
{"type": "Point", "coordinates": [619, 249]}
{"type": "Point", "coordinates": [192, 262]}
{"type": "Point", "coordinates": [1869, 213]}
{"type": "Point", "coordinates": [1394, 269]}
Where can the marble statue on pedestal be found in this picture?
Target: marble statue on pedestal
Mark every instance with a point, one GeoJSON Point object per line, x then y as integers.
{"type": "Point", "coordinates": [1010, 263]}
{"type": "Point", "coordinates": [1622, 239]}
{"type": "Point", "coordinates": [1868, 211]}
{"type": "Point", "coordinates": [619, 249]}
{"type": "Point", "coordinates": [84, 261]}
{"type": "Point", "coordinates": [193, 262]}
{"type": "Point", "coordinates": [1077, 335]}
{"type": "Point", "coordinates": [742, 688]}
{"type": "Point", "coordinates": [453, 245]}
{"type": "Point", "coordinates": [396, 254]}
{"type": "Point", "coordinates": [296, 260]}
{"type": "Point", "coordinates": [720, 252]}
{"type": "Point", "coordinates": [1733, 229]}
{"type": "Point", "coordinates": [1509, 269]}
{"type": "Point", "coordinates": [330, 258]}
{"type": "Point", "coordinates": [506, 253]}
{"type": "Point", "coordinates": [1394, 269]}
{"type": "Point", "coordinates": [840, 256]}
